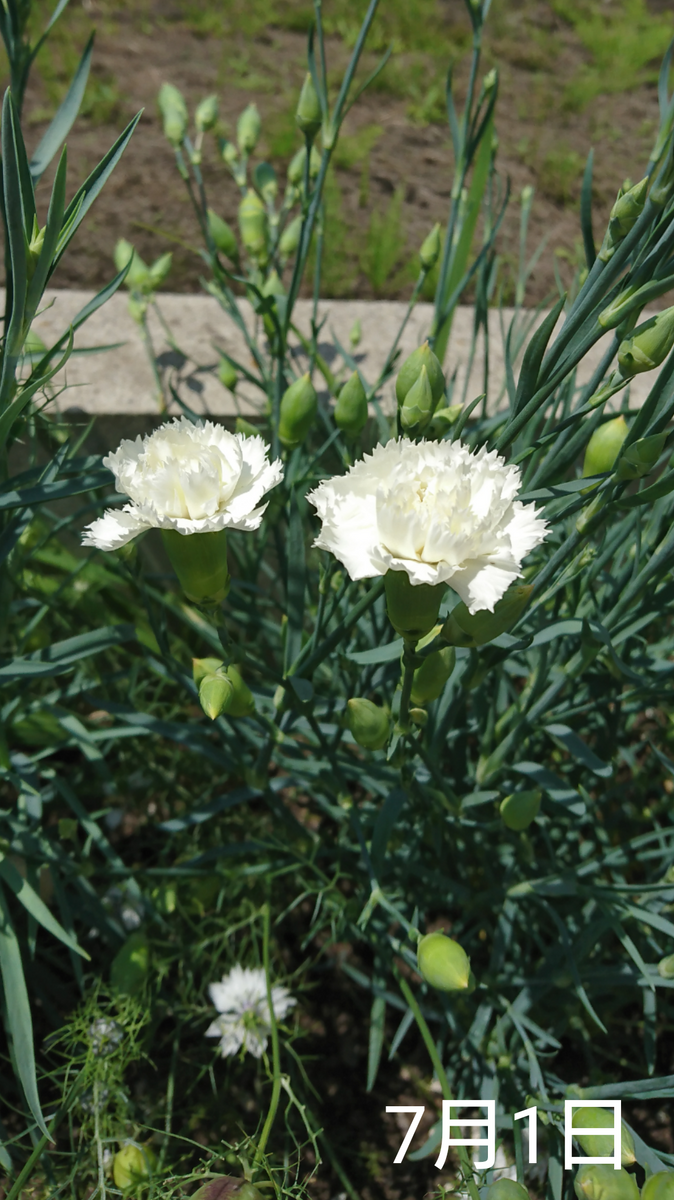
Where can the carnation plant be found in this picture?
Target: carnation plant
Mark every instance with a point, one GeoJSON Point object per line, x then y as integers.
{"type": "Point", "coordinates": [442, 629]}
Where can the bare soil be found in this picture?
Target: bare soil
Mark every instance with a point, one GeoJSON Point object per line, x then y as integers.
{"type": "Point", "coordinates": [542, 141]}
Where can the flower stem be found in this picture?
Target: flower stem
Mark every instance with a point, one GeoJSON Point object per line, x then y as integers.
{"type": "Point", "coordinates": [409, 666]}
{"type": "Point", "coordinates": [275, 1054]}
{"type": "Point", "coordinates": [466, 1165]}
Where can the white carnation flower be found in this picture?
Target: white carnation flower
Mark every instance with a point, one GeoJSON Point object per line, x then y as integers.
{"type": "Point", "coordinates": [434, 510]}
{"type": "Point", "coordinates": [190, 478]}
{"type": "Point", "coordinates": [241, 1000]}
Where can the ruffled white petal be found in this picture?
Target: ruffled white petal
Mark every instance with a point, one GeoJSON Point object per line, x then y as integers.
{"type": "Point", "coordinates": [434, 510]}
{"type": "Point", "coordinates": [115, 528]}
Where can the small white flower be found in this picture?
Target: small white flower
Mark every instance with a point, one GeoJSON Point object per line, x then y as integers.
{"type": "Point", "coordinates": [105, 1036]}
{"type": "Point", "coordinates": [241, 1000]}
{"type": "Point", "coordinates": [434, 510]}
{"type": "Point", "coordinates": [191, 478]}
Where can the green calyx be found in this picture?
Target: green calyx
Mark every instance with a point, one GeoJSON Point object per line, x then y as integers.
{"type": "Point", "coordinates": [659, 1186]}
{"type": "Point", "coordinates": [411, 370]}
{"type": "Point", "coordinates": [223, 236]}
{"type": "Point", "coordinates": [133, 1165]}
{"type": "Point", "coordinates": [206, 114]}
{"type": "Point", "coordinates": [369, 724]}
{"type": "Point", "coordinates": [248, 129]}
{"type": "Point", "coordinates": [308, 115]}
{"type": "Point", "coordinates": [443, 963]}
{"type": "Point", "coordinates": [200, 562]}
{"type": "Point", "coordinates": [648, 346]}
{"type": "Point", "coordinates": [412, 609]}
{"type": "Point", "coordinates": [604, 447]}
{"type": "Point", "coordinates": [519, 809]}
{"type": "Point", "coordinates": [463, 628]}
{"type": "Point", "coordinates": [605, 1183]}
{"type": "Point", "coordinates": [666, 967]}
{"type": "Point", "coordinates": [227, 373]}
{"type": "Point", "coordinates": [417, 407]}
{"type": "Point", "coordinates": [221, 689]}
{"type": "Point", "coordinates": [297, 163]}
{"type": "Point", "coordinates": [506, 1189]}
{"type": "Point", "coordinates": [299, 405]}
{"type": "Point", "coordinates": [625, 213]}
{"type": "Point", "coordinates": [430, 249]}
{"type": "Point", "coordinates": [430, 678]}
{"type": "Point", "coordinates": [173, 112]}
{"type": "Point", "coordinates": [640, 458]}
{"type": "Point", "coordinates": [290, 238]}
{"type": "Point", "coordinates": [253, 224]}
{"type": "Point", "coordinates": [598, 1145]}
{"type": "Point", "coordinates": [351, 408]}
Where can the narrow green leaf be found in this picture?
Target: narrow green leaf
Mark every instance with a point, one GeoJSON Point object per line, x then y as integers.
{"type": "Point", "coordinates": [376, 1041]}
{"type": "Point", "coordinates": [60, 126]}
{"type": "Point", "coordinates": [296, 582]}
{"type": "Point", "coordinates": [17, 1008]}
{"type": "Point", "coordinates": [533, 356]}
{"type": "Point", "coordinates": [28, 897]}
{"type": "Point", "coordinates": [586, 213]}
{"type": "Point", "coordinates": [51, 236]}
{"type": "Point", "coordinates": [578, 750]}
{"type": "Point", "coordinates": [384, 825]}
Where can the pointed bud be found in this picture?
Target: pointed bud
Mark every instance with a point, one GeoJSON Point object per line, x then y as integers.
{"type": "Point", "coordinates": [369, 724]}
{"type": "Point", "coordinates": [600, 1145]}
{"type": "Point", "coordinates": [242, 703]}
{"type": "Point", "coordinates": [223, 236]}
{"type": "Point", "coordinates": [666, 967]}
{"type": "Point", "coordinates": [605, 1183]}
{"type": "Point", "coordinates": [131, 965]}
{"type": "Point", "coordinates": [272, 285]}
{"type": "Point", "coordinates": [246, 428]}
{"type": "Point", "coordinates": [174, 113]}
{"type": "Point", "coordinates": [34, 248]}
{"type": "Point", "coordinates": [520, 809]}
{"type": "Point", "coordinates": [640, 458]}
{"type": "Point", "coordinates": [411, 370]}
{"type": "Point", "coordinates": [604, 447]}
{"type": "Point", "coordinates": [230, 154]}
{"type": "Point", "coordinates": [215, 694]}
{"type": "Point", "coordinates": [296, 167]}
{"type": "Point", "coordinates": [659, 1186]}
{"type": "Point", "coordinates": [648, 346]}
{"type": "Point", "coordinates": [417, 407]}
{"type": "Point", "coordinates": [200, 562]}
{"type": "Point", "coordinates": [308, 115]}
{"type": "Point", "coordinates": [299, 405]}
{"type": "Point", "coordinates": [443, 963]}
{"type": "Point", "coordinates": [253, 224]}
{"type": "Point", "coordinates": [264, 178]}
{"type": "Point", "coordinates": [201, 667]}
{"type": "Point", "coordinates": [624, 215]}
{"type": "Point", "coordinates": [430, 249]}
{"type": "Point", "coordinates": [614, 313]}
{"type": "Point", "coordinates": [351, 408]}
{"type": "Point", "coordinates": [412, 608]}
{"type": "Point", "coordinates": [430, 678]}
{"type": "Point", "coordinates": [476, 629]}
{"type": "Point", "coordinates": [227, 373]}
{"type": "Point", "coordinates": [355, 333]}
{"type": "Point", "coordinates": [248, 129]}
{"type": "Point", "coordinates": [506, 1189]}
{"type": "Point", "coordinates": [132, 1166]}
{"type": "Point", "coordinates": [290, 238]}
{"type": "Point", "coordinates": [160, 269]}
{"type": "Point", "coordinates": [138, 275]}
{"type": "Point", "coordinates": [206, 114]}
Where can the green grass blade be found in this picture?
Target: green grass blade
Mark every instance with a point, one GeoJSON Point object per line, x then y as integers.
{"type": "Point", "coordinates": [60, 126]}
{"type": "Point", "coordinates": [17, 1008]}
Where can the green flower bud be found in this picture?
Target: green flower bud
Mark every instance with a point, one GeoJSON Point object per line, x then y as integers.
{"type": "Point", "coordinates": [520, 809]}
{"type": "Point", "coordinates": [430, 678]}
{"type": "Point", "coordinates": [215, 694]}
{"type": "Point", "coordinates": [174, 113]}
{"type": "Point", "coordinates": [659, 1186]}
{"type": "Point", "coordinates": [227, 373]}
{"type": "Point", "coordinates": [666, 967]}
{"type": "Point", "coordinates": [476, 629]}
{"type": "Point", "coordinates": [138, 275]}
{"type": "Point", "coordinates": [272, 285]}
{"type": "Point", "coordinates": [201, 667]}
{"type": "Point", "coordinates": [248, 129]}
{"type": "Point", "coordinates": [598, 1145]}
{"type": "Point", "coordinates": [290, 238]}
{"type": "Point", "coordinates": [613, 314]}
{"type": "Point", "coordinates": [506, 1189]}
{"type": "Point", "coordinates": [242, 703]}
{"type": "Point", "coordinates": [351, 407]}
{"type": "Point", "coordinates": [299, 405]}
{"type": "Point", "coordinates": [206, 114]}
{"type": "Point", "coordinates": [137, 307]}
{"type": "Point", "coordinates": [624, 215]}
{"type": "Point", "coordinates": [264, 178]}
{"type": "Point", "coordinates": [411, 370]}
{"type": "Point", "coordinates": [369, 724]}
{"type": "Point", "coordinates": [230, 154]}
{"type": "Point", "coordinates": [132, 1165]}
{"type": "Point", "coordinates": [412, 609]}
{"type": "Point", "coordinates": [430, 249]}
{"type": "Point", "coordinates": [640, 458]}
{"type": "Point", "coordinates": [160, 269]}
{"type": "Point", "coordinates": [223, 236]}
{"type": "Point", "coordinates": [225, 1187]}
{"type": "Point", "coordinates": [131, 965]}
{"type": "Point", "coordinates": [308, 115]}
{"type": "Point", "coordinates": [442, 419]}
{"type": "Point", "coordinates": [418, 716]}
{"type": "Point", "coordinates": [200, 562]}
{"type": "Point", "coordinates": [648, 346]}
{"type": "Point", "coordinates": [443, 963]}
{"type": "Point", "coordinates": [355, 333]}
{"type": "Point", "coordinates": [604, 447]}
{"type": "Point", "coordinates": [417, 407]}
{"type": "Point", "coordinates": [245, 427]}
{"type": "Point", "coordinates": [253, 224]}
{"type": "Point", "coordinates": [34, 248]}
{"type": "Point", "coordinates": [605, 1183]}
{"type": "Point", "coordinates": [296, 167]}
